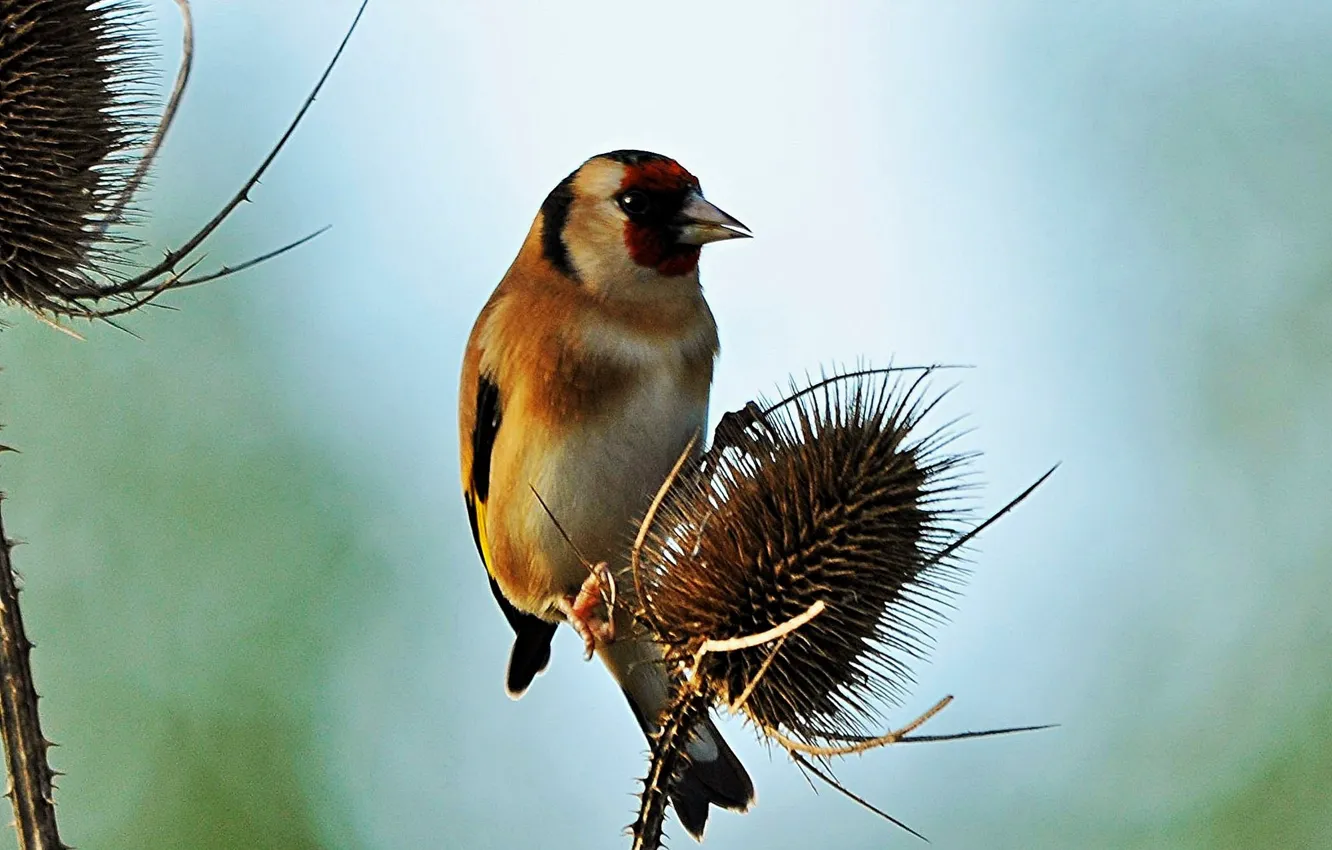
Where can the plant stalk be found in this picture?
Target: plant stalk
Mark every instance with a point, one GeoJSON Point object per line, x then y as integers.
{"type": "Point", "coordinates": [30, 775]}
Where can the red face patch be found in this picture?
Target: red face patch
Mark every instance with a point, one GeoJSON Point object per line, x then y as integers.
{"type": "Point", "coordinates": [651, 239]}
{"type": "Point", "coordinates": [651, 248]}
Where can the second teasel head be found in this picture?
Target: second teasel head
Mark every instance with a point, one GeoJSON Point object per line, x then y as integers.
{"type": "Point", "coordinates": [828, 496]}
{"type": "Point", "coordinates": [74, 105]}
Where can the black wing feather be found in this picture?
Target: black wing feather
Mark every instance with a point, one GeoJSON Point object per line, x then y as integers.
{"type": "Point", "coordinates": [531, 645]}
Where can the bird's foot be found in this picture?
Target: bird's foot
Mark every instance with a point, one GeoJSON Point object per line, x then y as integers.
{"type": "Point", "coordinates": [581, 609]}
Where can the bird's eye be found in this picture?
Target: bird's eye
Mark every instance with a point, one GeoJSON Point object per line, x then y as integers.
{"type": "Point", "coordinates": [635, 202]}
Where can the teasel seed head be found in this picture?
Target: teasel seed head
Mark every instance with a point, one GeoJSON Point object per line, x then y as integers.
{"type": "Point", "coordinates": [76, 104]}
{"type": "Point", "coordinates": [830, 496]}
{"type": "Point", "coordinates": [77, 139]}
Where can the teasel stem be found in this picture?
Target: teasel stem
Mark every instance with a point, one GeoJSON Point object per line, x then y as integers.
{"type": "Point", "coordinates": [689, 708]}
{"type": "Point", "coordinates": [30, 775]}
{"type": "Point", "coordinates": [144, 288]}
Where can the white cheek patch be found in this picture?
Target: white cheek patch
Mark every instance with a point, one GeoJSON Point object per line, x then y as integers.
{"type": "Point", "coordinates": [595, 243]}
{"type": "Point", "coordinates": [594, 232]}
{"type": "Point", "coordinates": [599, 179]}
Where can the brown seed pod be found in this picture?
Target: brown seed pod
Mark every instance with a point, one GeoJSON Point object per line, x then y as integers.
{"type": "Point", "coordinates": [75, 145]}
{"type": "Point", "coordinates": [75, 103]}
{"type": "Point", "coordinates": [826, 497]}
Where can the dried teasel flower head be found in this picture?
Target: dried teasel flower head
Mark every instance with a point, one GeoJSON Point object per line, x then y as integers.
{"type": "Point", "coordinates": [77, 137]}
{"type": "Point", "coordinates": [792, 574]}
{"type": "Point", "coordinates": [831, 497]}
{"type": "Point", "coordinates": [75, 104]}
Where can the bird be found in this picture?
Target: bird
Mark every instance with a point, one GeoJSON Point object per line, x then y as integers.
{"type": "Point", "coordinates": [586, 376]}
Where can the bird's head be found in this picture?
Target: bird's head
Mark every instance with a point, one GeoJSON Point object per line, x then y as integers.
{"type": "Point", "coordinates": [631, 224]}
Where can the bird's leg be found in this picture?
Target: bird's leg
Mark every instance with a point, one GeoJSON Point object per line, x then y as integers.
{"type": "Point", "coordinates": [581, 609]}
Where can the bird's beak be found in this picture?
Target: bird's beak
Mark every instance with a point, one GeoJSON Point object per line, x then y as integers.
{"type": "Point", "coordinates": [699, 223]}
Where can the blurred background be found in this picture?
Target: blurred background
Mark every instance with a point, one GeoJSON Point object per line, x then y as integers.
{"type": "Point", "coordinates": [259, 615]}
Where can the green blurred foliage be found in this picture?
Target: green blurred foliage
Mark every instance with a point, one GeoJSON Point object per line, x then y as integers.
{"type": "Point", "coordinates": [1262, 346]}
{"type": "Point", "coordinates": [1235, 170]}
{"type": "Point", "coordinates": [192, 575]}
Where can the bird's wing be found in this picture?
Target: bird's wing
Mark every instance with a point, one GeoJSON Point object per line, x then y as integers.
{"type": "Point", "coordinates": [531, 646]}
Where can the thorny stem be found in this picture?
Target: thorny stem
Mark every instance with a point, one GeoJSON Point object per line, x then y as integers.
{"type": "Point", "coordinates": [690, 706]}
{"type": "Point", "coordinates": [141, 289]}
{"type": "Point", "coordinates": [668, 745]}
{"type": "Point", "coordinates": [25, 747]}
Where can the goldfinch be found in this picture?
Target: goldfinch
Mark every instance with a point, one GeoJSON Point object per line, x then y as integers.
{"type": "Point", "coordinates": [586, 376]}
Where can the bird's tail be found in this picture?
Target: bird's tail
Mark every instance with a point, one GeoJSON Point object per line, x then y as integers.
{"type": "Point", "coordinates": [718, 781]}
{"type": "Point", "coordinates": [714, 776]}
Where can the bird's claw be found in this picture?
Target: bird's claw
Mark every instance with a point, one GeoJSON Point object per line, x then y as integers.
{"type": "Point", "coordinates": [581, 610]}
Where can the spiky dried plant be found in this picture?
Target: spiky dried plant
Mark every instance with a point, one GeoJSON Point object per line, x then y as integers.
{"type": "Point", "coordinates": [74, 105]}
{"type": "Point", "coordinates": [77, 137]}
{"type": "Point", "coordinates": [794, 574]}
{"type": "Point", "coordinates": [826, 498]}
{"type": "Point", "coordinates": [78, 133]}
